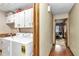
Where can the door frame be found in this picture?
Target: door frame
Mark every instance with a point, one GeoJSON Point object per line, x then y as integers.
{"type": "Point", "coordinates": [66, 21]}
{"type": "Point", "coordinates": [36, 29]}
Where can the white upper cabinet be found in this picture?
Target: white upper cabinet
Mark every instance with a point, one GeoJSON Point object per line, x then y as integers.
{"type": "Point", "coordinates": [22, 19]}
{"type": "Point", "coordinates": [28, 17]}
{"type": "Point", "coordinates": [10, 19]}
{"type": "Point", "coordinates": [19, 20]}
{"type": "Point", "coordinates": [17, 24]}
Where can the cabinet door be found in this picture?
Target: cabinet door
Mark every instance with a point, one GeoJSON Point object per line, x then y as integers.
{"type": "Point", "coordinates": [26, 21]}
{"type": "Point", "coordinates": [10, 19]}
{"type": "Point", "coordinates": [28, 17]}
{"type": "Point", "coordinates": [17, 23]}
{"type": "Point", "coordinates": [21, 19]}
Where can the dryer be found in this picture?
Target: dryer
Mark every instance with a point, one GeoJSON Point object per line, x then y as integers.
{"type": "Point", "coordinates": [22, 44]}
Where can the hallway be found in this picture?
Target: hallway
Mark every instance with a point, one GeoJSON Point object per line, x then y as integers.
{"type": "Point", "coordinates": [60, 49]}
{"type": "Point", "coordinates": [61, 21]}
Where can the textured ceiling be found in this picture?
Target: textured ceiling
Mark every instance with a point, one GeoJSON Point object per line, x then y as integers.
{"type": "Point", "coordinates": [60, 8]}
{"type": "Point", "coordinates": [13, 6]}
{"type": "Point", "coordinates": [57, 8]}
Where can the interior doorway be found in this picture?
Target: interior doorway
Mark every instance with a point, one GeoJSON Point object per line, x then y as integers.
{"type": "Point", "coordinates": [61, 32]}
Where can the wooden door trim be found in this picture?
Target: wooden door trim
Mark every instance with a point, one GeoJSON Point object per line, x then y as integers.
{"type": "Point", "coordinates": [36, 29]}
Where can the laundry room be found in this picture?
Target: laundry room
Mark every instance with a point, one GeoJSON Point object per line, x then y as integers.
{"type": "Point", "coordinates": [16, 29]}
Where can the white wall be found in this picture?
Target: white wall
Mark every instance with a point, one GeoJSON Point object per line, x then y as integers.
{"type": "Point", "coordinates": [3, 27]}
{"type": "Point", "coordinates": [74, 29]}
{"type": "Point", "coordinates": [46, 30]}
{"type": "Point", "coordinates": [61, 16]}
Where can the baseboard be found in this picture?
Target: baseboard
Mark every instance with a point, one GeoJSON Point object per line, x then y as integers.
{"type": "Point", "coordinates": [71, 51]}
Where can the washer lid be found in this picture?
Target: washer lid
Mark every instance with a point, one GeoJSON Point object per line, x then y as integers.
{"type": "Point", "coordinates": [24, 40]}
{"type": "Point", "coordinates": [8, 38]}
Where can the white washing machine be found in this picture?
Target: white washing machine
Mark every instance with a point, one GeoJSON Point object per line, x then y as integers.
{"type": "Point", "coordinates": [6, 46]}
{"type": "Point", "coordinates": [22, 44]}
{"type": "Point", "coordinates": [19, 45]}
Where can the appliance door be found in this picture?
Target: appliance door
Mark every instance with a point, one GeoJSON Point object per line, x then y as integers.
{"type": "Point", "coordinates": [20, 49]}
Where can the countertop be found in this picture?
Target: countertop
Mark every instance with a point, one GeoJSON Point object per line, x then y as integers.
{"type": "Point", "coordinates": [7, 34]}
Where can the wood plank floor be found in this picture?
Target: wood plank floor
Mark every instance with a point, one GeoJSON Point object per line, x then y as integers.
{"type": "Point", "coordinates": [60, 50]}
